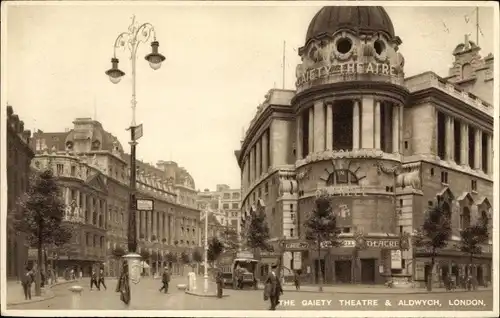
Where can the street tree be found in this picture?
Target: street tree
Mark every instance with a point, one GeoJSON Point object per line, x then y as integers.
{"type": "Point", "coordinates": [41, 218]}
{"type": "Point", "coordinates": [118, 252]}
{"type": "Point", "coordinates": [472, 237]}
{"type": "Point", "coordinates": [434, 233]}
{"type": "Point", "coordinates": [215, 249]}
{"type": "Point", "coordinates": [257, 234]}
{"type": "Point", "coordinates": [229, 238]}
{"type": "Point", "coordinates": [197, 257]}
{"type": "Point", "coordinates": [321, 227]}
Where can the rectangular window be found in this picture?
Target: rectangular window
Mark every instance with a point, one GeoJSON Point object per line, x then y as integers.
{"type": "Point", "coordinates": [235, 205]}
{"type": "Point", "coordinates": [225, 206]}
{"type": "Point", "coordinates": [346, 230]}
{"type": "Point", "coordinates": [60, 169]}
{"type": "Point", "coordinates": [400, 229]}
{"type": "Point", "coordinates": [444, 177]}
{"type": "Point", "coordinates": [441, 135]}
{"type": "Point", "coordinates": [473, 185]}
{"type": "Point", "coordinates": [73, 171]}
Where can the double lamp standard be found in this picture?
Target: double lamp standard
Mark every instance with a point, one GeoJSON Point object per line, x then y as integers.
{"type": "Point", "coordinates": [131, 41]}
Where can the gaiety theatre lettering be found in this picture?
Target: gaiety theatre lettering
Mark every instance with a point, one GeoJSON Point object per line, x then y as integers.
{"type": "Point", "coordinates": [346, 68]}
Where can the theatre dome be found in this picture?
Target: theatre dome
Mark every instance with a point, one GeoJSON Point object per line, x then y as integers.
{"type": "Point", "coordinates": [359, 20]}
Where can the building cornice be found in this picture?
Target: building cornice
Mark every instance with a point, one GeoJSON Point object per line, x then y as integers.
{"type": "Point", "coordinates": [453, 106]}
{"type": "Point", "coordinates": [350, 90]}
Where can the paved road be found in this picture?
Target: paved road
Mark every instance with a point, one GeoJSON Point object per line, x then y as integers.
{"type": "Point", "coordinates": [147, 297]}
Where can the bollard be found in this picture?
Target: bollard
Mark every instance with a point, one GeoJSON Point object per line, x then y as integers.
{"type": "Point", "coordinates": [76, 296]}
{"type": "Point", "coordinates": [194, 281]}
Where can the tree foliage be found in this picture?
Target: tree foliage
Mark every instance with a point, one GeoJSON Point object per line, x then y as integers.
{"type": "Point", "coordinates": [434, 234]}
{"type": "Point", "coordinates": [145, 254]}
{"type": "Point", "coordinates": [185, 259]}
{"type": "Point", "coordinates": [171, 257]}
{"type": "Point", "coordinates": [473, 236]}
{"type": "Point", "coordinates": [257, 234]}
{"type": "Point", "coordinates": [229, 238]}
{"type": "Point", "coordinates": [118, 252]}
{"type": "Point", "coordinates": [42, 213]}
{"type": "Point", "coordinates": [196, 256]}
{"type": "Point", "coordinates": [215, 249]}
{"type": "Point", "coordinates": [436, 230]}
{"type": "Point", "coordinates": [321, 224]}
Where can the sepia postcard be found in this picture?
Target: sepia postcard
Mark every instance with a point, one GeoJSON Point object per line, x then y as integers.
{"type": "Point", "coordinates": [249, 158]}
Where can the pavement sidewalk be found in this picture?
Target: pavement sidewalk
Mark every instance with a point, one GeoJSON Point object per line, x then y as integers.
{"type": "Point", "coordinates": [15, 294]}
{"type": "Point", "coordinates": [372, 289]}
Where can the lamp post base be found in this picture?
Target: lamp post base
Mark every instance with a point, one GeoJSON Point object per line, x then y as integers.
{"type": "Point", "coordinates": [134, 266]}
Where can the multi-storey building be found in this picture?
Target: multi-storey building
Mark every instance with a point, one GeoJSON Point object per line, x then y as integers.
{"type": "Point", "coordinates": [384, 146]}
{"type": "Point", "coordinates": [19, 155]}
{"type": "Point", "coordinates": [93, 171]}
{"type": "Point", "coordinates": [223, 203]}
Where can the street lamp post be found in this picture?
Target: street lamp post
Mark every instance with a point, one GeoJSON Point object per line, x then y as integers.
{"type": "Point", "coordinates": [131, 40]}
{"type": "Point", "coordinates": [205, 274]}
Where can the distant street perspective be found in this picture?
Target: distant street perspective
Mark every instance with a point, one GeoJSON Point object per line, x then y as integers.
{"type": "Point", "coordinates": [367, 185]}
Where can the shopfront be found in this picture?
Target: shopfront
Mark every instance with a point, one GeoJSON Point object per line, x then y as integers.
{"type": "Point", "coordinates": [452, 263]}
{"type": "Point", "coordinates": [366, 260]}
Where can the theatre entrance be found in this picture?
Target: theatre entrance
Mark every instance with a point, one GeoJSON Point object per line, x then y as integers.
{"type": "Point", "coordinates": [343, 271]}
{"type": "Point", "coordinates": [368, 271]}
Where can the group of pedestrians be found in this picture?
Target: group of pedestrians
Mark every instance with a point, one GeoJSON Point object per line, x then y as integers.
{"type": "Point", "coordinates": [97, 279]}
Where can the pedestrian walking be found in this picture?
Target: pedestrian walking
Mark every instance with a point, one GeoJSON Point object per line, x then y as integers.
{"type": "Point", "coordinates": [27, 281]}
{"type": "Point", "coordinates": [296, 280]}
{"type": "Point", "coordinates": [81, 273]}
{"type": "Point", "coordinates": [123, 286]}
{"type": "Point", "coordinates": [93, 280]}
{"type": "Point", "coordinates": [273, 289]}
{"type": "Point", "coordinates": [219, 280]}
{"type": "Point", "coordinates": [101, 279]}
{"type": "Point", "coordinates": [165, 280]}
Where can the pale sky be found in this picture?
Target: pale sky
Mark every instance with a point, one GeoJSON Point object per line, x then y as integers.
{"type": "Point", "coordinates": [220, 62]}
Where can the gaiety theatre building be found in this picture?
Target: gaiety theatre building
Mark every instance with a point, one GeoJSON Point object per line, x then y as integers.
{"type": "Point", "coordinates": [384, 146]}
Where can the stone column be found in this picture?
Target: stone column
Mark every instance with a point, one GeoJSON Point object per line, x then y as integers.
{"type": "Point", "coordinates": [84, 205]}
{"type": "Point", "coordinates": [329, 126]}
{"type": "Point", "coordinates": [448, 142]}
{"type": "Point", "coordinates": [299, 136]}
{"type": "Point", "coordinates": [258, 159]}
{"type": "Point", "coordinates": [452, 138]}
{"type": "Point", "coordinates": [477, 149]}
{"type": "Point", "coordinates": [355, 125]}
{"type": "Point", "coordinates": [490, 153]}
{"type": "Point", "coordinates": [311, 130]}
{"type": "Point", "coordinates": [464, 144]}
{"type": "Point", "coordinates": [265, 154]}
{"type": "Point", "coordinates": [67, 196]}
{"type": "Point", "coordinates": [367, 130]}
{"type": "Point", "coordinates": [78, 199]}
{"type": "Point", "coordinates": [154, 220]}
{"type": "Point", "coordinates": [395, 128]}
{"type": "Point", "coordinates": [377, 125]}
{"type": "Point", "coordinates": [319, 126]}
{"type": "Point", "coordinates": [251, 167]}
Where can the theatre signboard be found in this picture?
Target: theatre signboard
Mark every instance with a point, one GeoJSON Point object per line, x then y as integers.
{"type": "Point", "coordinates": [389, 243]}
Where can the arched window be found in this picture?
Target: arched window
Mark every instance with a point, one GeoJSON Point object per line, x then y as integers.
{"type": "Point", "coordinates": [465, 218]}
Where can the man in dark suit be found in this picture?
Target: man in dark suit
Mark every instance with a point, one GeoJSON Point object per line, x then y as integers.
{"type": "Point", "coordinates": [273, 287]}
